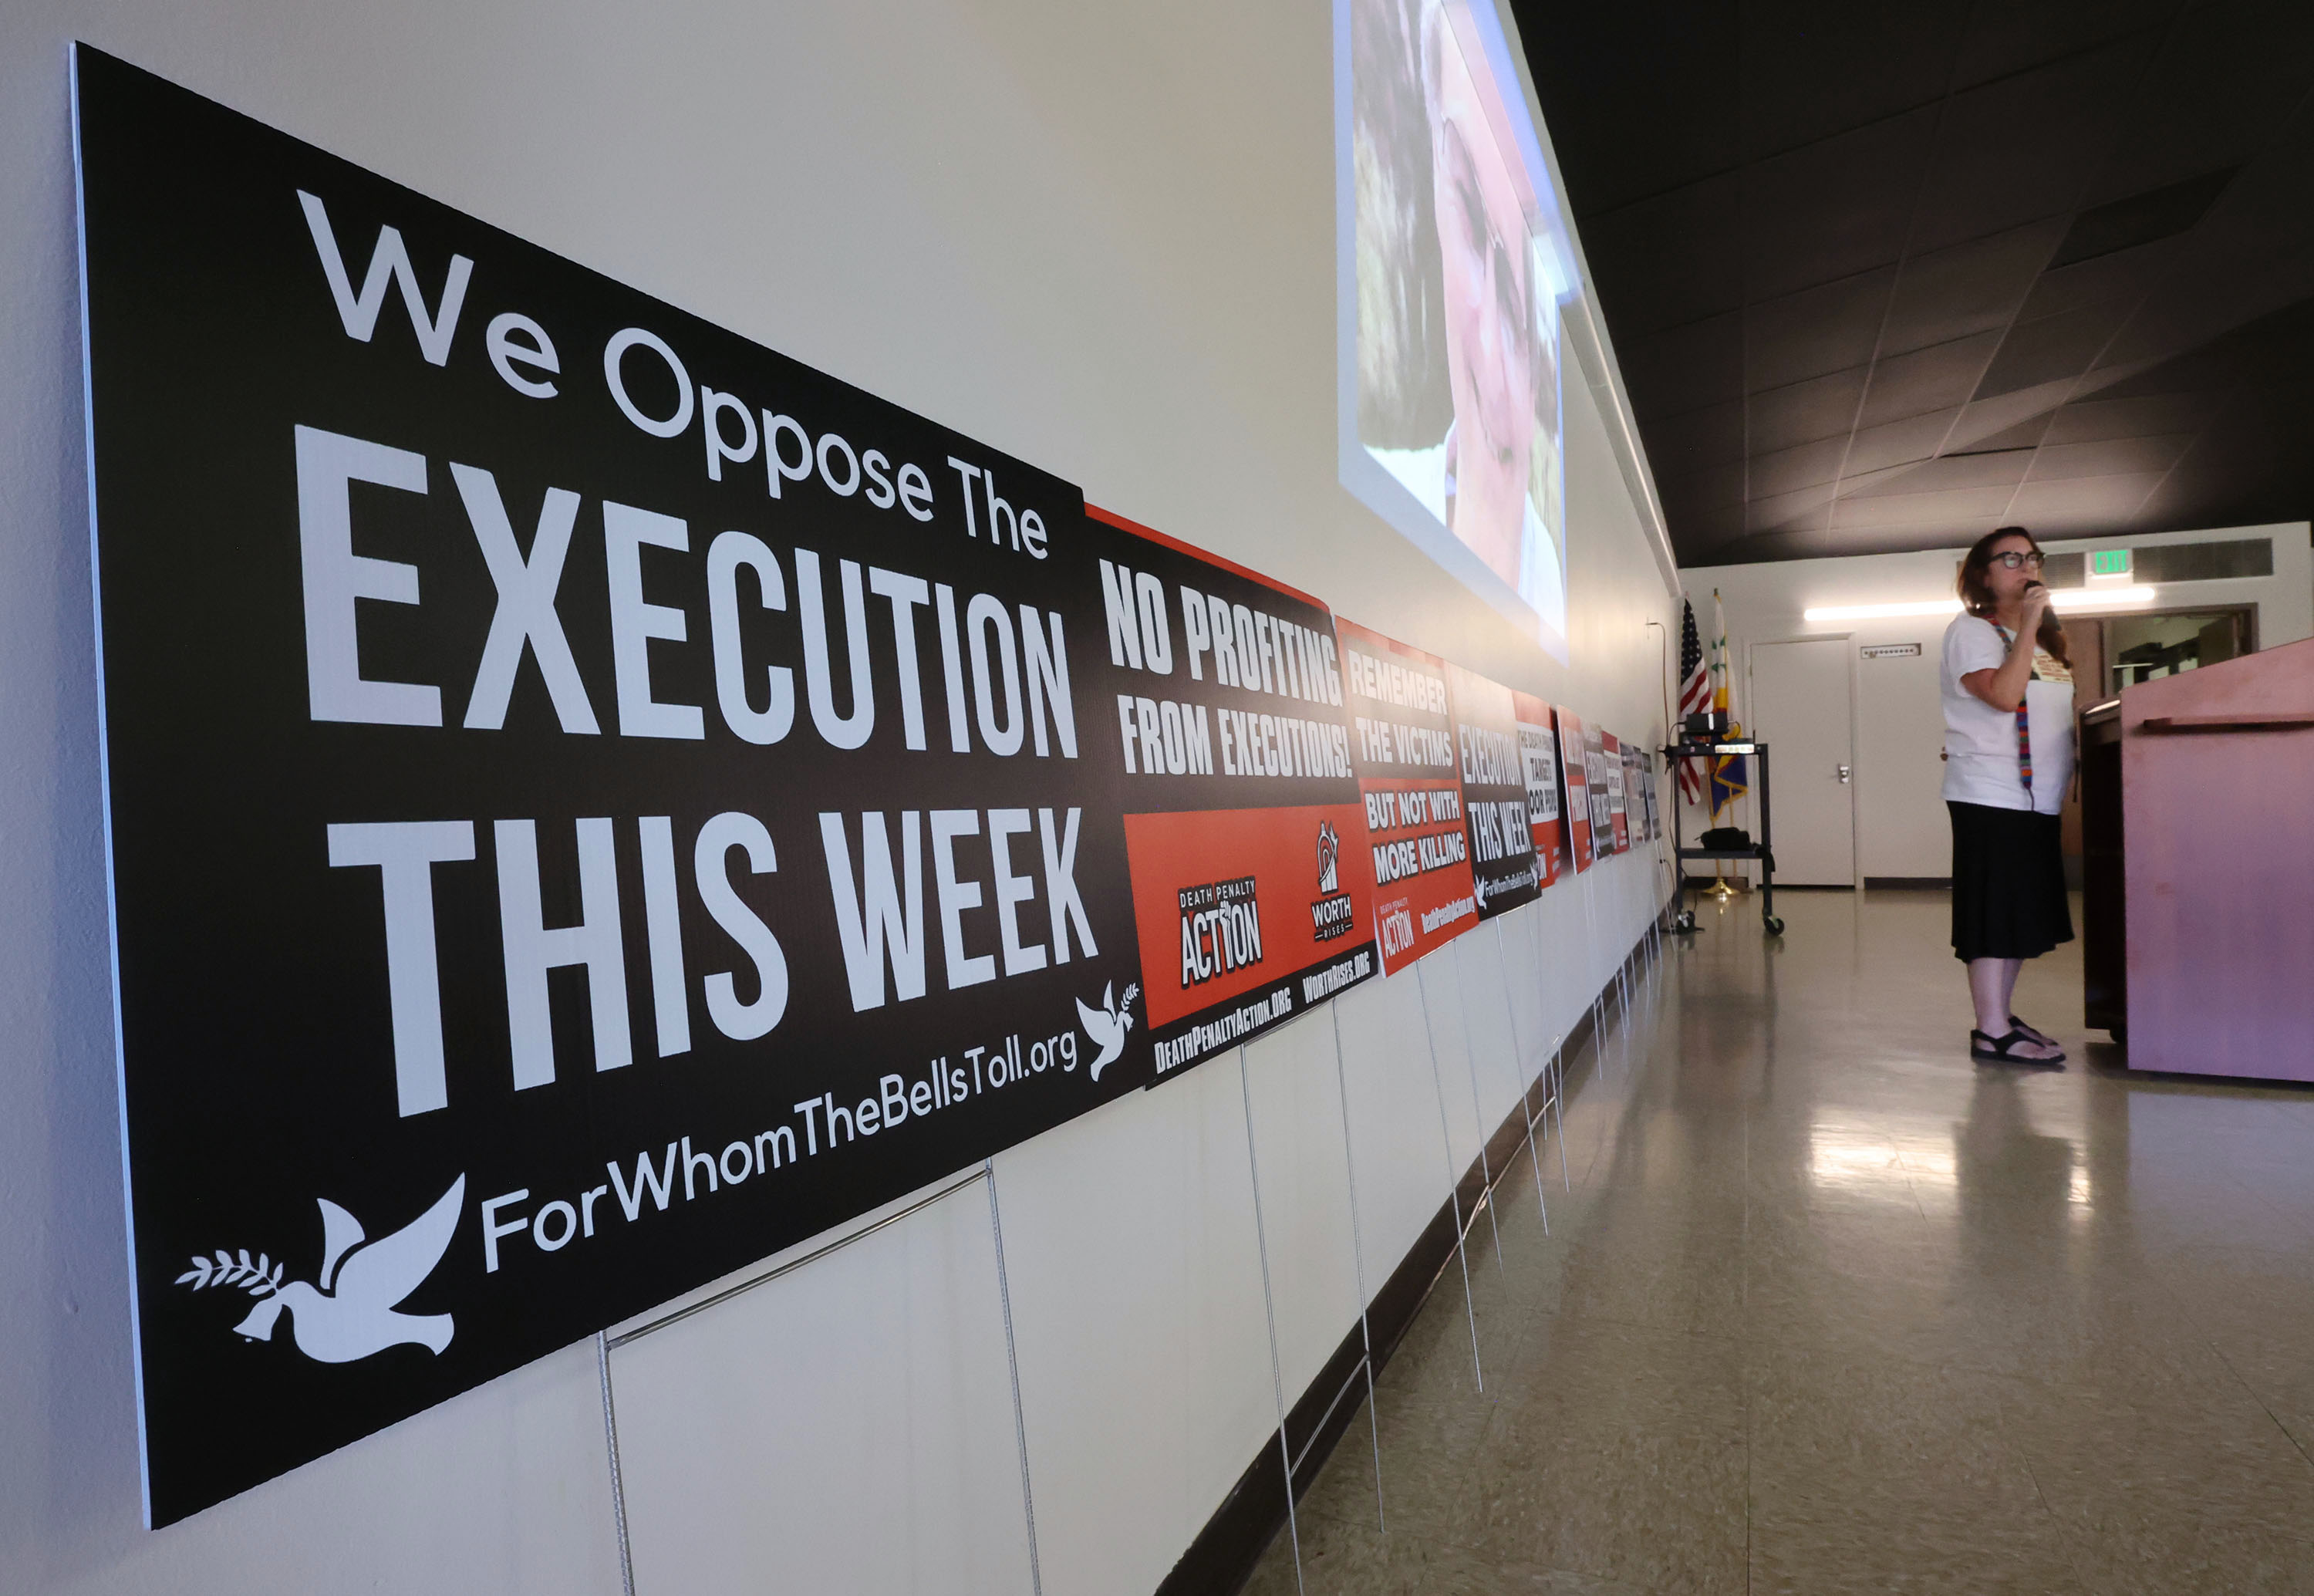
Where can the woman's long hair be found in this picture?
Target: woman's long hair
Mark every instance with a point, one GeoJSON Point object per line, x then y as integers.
{"type": "Point", "coordinates": [1976, 591]}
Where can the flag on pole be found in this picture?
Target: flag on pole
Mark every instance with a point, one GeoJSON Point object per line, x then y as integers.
{"type": "Point", "coordinates": [1730, 773]}
{"type": "Point", "coordinates": [1694, 698]}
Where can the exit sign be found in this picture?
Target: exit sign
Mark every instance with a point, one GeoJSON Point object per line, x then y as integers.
{"type": "Point", "coordinates": [2109, 562]}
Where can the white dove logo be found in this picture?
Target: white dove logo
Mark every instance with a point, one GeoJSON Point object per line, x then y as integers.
{"type": "Point", "coordinates": [352, 1315]}
{"type": "Point", "coordinates": [1107, 1024]}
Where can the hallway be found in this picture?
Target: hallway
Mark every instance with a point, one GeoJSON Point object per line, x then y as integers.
{"type": "Point", "coordinates": [1829, 1308]}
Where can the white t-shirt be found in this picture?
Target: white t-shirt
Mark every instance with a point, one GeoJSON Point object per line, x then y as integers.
{"type": "Point", "coordinates": [1980, 756]}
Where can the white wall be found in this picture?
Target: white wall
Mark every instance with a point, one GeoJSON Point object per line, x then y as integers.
{"type": "Point", "coordinates": [1901, 829]}
{"type": "Point", "coordinates": [1099, 237]}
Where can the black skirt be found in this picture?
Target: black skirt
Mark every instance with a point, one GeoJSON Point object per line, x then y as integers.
{"type": "Point", "coordinates": [2009, 882]}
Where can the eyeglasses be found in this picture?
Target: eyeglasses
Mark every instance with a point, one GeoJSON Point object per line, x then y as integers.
{"type": "Point", "coordinates": [2012, 561]}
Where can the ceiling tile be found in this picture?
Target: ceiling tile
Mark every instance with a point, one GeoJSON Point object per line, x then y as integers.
{"type": "Point", "coordinates": [1600, 61]}
{"type": "Point", "coordinates": [2106, 457]}
{"type": "Point", "coordinates": [1685, 368]}
{"type": "Point", "coordinates": [2051, 349]}
{"type": "Point", "coordinates": [1898, 443]}
{"type": "Point", "coordinates": [1915, 510]}
{"type": "Point", "coordinates": [1796, 67]}
{"type": "Point", "coordinates": [1786, 510]}
{"type": "Point", "coordinates": [2227, 77]}
{"type": "Point", "coordinates": [1971, 287]}
{"type": "Point", "coordinates": [2087, 524]}
{"type": "Point", "coordinates": [1802, 412]}
{"type": "Point", "coordinates": [2135, 378]}
{"type": "Point", "coordinates": [1984, 418]}
{"type": "Point", "coordinates": [2007, 35]}
{"type": "Point", "coordinates": [2110, 496]}
{"type": "Point", "coordinates": [1748, 175]}
{"type": "Point", "coordinates": [1955, 533]}
{"type": "Point", "coordinates": [1860, 484]}
{"type": "Point", "coordinates": [2252, 259]}
{"type": "Point", "coordinates": [1804, 538]}
{"type": "Point", "coordinates": [2087, 419]}
{"type": "Point", "coordinates": [2135, 220]}
{"type": "Point", "coordinates": [1786, 470]}
{"type": "Point", "coordinates": [1705, 489]}
{"type": "Point", "coordinates": [1663, 261]}
{"type": "Point", "coordinates": [1937, 378]}
{"type": "Point", "coordinates": [2002, 470]}
{"type": "Point", "coordinates": [1692, 439]}
{"type": "Point", "coordinates": [1697, 527]}
{"type": "Point", "coordinates": [2023, 148]}
{"type": "Point", "coordinates": [2027, 434]}
{"type": "Point", "coordinates": [2124, 277]}
{"type": "Point", "coordinates": [1834, 209]}
{"type": "Point", "coordinates": [2250, 466]}
{"type": "Point", "coordinates": [1816, 331]}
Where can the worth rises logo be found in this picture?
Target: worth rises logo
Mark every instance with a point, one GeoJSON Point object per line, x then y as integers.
{"type": "Point", "coordinates": [351, 1314]}
{"type": "Point", "coordinates": [1333, 915]}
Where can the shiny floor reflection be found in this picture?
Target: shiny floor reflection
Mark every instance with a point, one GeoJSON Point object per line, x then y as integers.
{"type": "Point", "coordinates": [1831, 1307]}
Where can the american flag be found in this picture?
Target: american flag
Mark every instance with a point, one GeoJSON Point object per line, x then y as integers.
{"type": "Point", "coordinates": [1694, 697]}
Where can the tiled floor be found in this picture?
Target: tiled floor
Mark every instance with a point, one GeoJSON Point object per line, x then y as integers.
{"type": "Point", "coordinates": [1832, 1308]}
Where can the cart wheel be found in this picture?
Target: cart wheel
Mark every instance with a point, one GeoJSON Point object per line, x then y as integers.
{"type": "Point", "coordinates": [1775, 926]}
{"type": "Point", "coordinates": [1684, 920]}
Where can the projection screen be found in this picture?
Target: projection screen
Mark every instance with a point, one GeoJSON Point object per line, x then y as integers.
{"type": "Point", "coordinates": [1453, 265]}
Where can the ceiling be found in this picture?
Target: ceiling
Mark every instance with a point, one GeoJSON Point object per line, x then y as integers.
{"type": "Point", "coordinates": [1887, 276]}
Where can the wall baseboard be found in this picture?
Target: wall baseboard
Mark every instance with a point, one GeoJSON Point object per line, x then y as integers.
{"type": "Point", "coordinates": [1908, 884]}
{"type": "Point", "coordinates": [1223, 1555]}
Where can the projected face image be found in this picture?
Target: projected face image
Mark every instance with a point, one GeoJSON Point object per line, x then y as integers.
{"type": "Point", "coordinates": [1484, 254]}
{"type": "Point", "coordinates": [1457, 263]}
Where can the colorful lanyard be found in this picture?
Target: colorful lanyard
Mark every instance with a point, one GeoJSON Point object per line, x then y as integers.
{"type": "Point", "coordinates": [2024, 727]}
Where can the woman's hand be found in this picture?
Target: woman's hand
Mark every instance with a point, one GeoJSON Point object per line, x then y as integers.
{"type": "Point", "coordinates": [2004, 688]}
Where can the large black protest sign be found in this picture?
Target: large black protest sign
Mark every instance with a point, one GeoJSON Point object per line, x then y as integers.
{"type": "Point", "coordinates": [591, 801]}
{"type": "Point", "coordinates": [1403, 747]}
{"type": "Point", "coordinates": [1226, 687]}
{"type": "Point", "coordinates": [1495, 797]}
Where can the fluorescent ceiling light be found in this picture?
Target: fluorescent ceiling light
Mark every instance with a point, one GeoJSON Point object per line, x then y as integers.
{"type": "Point", "coordinates": [2099, 598]}
{"type": "Point", "coordinates": [1934, 606]}
{"type": "Point", "coordinates": [2066, 598]}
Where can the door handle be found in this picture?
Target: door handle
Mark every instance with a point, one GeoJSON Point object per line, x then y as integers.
{"type": "Point", "coordinates": [1843, 775]}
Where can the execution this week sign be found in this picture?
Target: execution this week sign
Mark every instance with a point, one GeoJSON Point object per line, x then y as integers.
{"type": "Point", "coordinates": [1617, 770]}
{"type": "Point", "coordinates": [591, 801]}
{"type": "Point", "coordinates": [1603, 810]}
{"type": "Point", "coordinates": [1402, 738]}
{"type": "Point", "coordinates": [1229, 732]}
{"type": "Point", "coordinates": [1538, 746]}
{"type": "Point", "coordinates": [1635, 792]}
{"type": "Point", "coordinates": [1503, 864]}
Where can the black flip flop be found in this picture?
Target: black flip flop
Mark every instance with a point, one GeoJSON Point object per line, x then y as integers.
{"type": "Point", "coordinates": [2000, 1050]}
{"type": "Point", "coordinates": [2032, 1033]}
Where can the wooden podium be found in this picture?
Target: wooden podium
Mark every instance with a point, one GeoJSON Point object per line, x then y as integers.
{"type": "Point", "coordinates": [2197, 812]}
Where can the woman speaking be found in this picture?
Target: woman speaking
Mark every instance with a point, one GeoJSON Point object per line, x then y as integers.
{"type": "Point", "coordinates": [2008, 757]}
